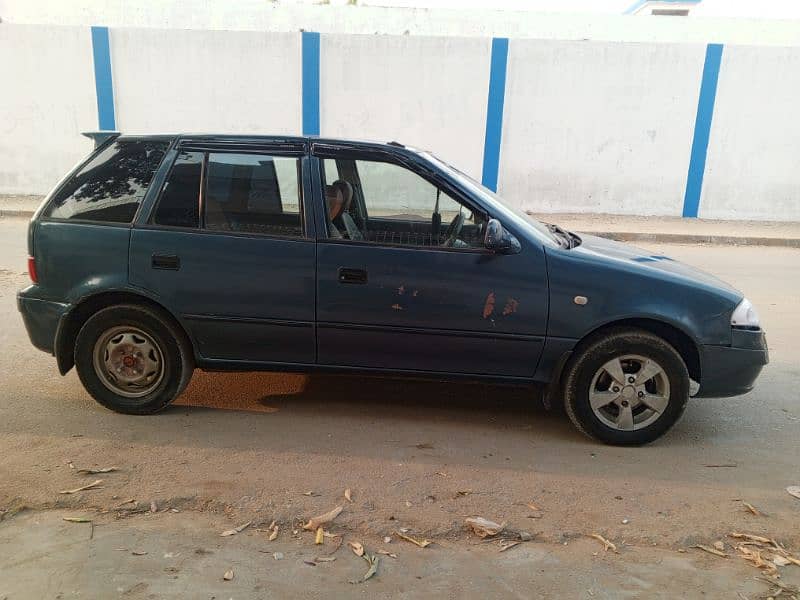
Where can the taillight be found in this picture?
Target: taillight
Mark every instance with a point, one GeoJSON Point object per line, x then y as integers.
{"type": "Point", "coordinates": [32, 269]}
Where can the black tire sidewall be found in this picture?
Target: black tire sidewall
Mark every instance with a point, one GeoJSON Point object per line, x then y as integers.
{"type": "Point", "coordinates": [583, 371]}
{"type": "Point", "coordinates": [150, 323]}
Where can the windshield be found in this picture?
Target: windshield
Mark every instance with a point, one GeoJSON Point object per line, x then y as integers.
{"type": "Point", "coordinates": [487, 194]}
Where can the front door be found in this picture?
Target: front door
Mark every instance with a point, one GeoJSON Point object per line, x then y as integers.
{"type": "Point", "coordinates": [228, 249]}
{"type": "Point", "coordinates": [405, 283]}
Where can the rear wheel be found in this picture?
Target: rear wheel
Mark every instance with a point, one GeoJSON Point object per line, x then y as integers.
{"type": "Point", "coordinates": [627, 387]}
{"type": "Point", "coordinates": [131, 360]}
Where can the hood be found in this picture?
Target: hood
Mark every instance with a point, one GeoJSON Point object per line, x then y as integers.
{"type": "Point", "coordinates": [641, 260]}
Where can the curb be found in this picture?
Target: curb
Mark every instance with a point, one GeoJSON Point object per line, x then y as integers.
{"type": "Point", "coordinates": [686, 238]}
{"type": "Point", "coordinates": [619, 236]}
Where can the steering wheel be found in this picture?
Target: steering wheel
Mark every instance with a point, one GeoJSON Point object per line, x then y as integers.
{"type": "Point", "coordinates": [453, 230]}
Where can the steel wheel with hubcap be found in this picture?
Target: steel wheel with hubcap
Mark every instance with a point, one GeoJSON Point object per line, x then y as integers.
{"type": "Point", "coordinates": [626, 387]}
{"type": "Point", "coordinates": [133, 359]}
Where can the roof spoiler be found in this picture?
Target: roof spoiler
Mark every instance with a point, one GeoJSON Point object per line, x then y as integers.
{"type": "Point", "coordinates": [100, 136]}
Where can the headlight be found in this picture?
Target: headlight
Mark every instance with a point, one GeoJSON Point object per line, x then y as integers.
{"type": "Point", "coordinates": [745, 315]}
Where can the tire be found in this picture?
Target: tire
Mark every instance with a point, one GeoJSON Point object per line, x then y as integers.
{"type": "Point", "coordinates": [159, 359]}
{"type": "Point", "coordinates": [639, 411]}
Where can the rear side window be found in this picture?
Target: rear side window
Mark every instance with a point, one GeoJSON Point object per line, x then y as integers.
{"type": "Point", "coordinates": [179, 204]}
{"type": "Point", "coordinates": [253, 193]}
{"type": "Point", "coordinates": [110, 187]}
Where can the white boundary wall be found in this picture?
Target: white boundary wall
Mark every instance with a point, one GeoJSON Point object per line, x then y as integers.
{"type": "Point", "coordinates": [589, 126]}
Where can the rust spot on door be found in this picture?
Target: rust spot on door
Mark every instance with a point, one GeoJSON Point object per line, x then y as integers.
{"type": "Point", "coordinates": [488, 307]}
{"type": "Point", "coordinates": [510, 307]}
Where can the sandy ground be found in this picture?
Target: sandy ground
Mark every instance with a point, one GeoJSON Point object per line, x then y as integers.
{"type": "Point", "coordinates": [417, 456]}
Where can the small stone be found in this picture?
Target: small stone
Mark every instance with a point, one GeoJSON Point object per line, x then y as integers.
{"type": "Point", "coordinates": [625, 521]}
{"type": "Point", "coordinates": [277, 555]}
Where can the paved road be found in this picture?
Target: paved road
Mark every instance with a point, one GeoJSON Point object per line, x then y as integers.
{"type": "Point", "coordinates": [416, 455]}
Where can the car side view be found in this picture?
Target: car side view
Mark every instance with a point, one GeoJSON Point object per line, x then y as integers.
{"type": "Point", "coordinates": [160, 254]}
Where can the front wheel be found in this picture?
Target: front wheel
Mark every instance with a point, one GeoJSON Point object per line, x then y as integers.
{"type": "Point", "coordinates": [131, 360]}
{"type": "Point", "coordinates": [626, 388]}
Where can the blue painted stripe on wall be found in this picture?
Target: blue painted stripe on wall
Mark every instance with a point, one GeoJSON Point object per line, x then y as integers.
{"type": "Point", "coordinates": [103, 82]}
{"type": "Point", "coordinates": [310, 83]}
{"type": "Point", "coordinates": [494, 112]}
{"type": "Point", "coordinates": [702, 130]}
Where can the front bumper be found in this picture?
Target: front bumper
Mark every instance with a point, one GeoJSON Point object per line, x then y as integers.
{"type": "Point", "coordinates": [732, 370]}
{"type": "Point", "coordinates": [41, 319]}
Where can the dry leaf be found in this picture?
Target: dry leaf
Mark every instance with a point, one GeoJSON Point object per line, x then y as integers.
{"type": "Point", "coordinates": [357, 548]}
{"type": "Point", "coordinates": [309, 493]}
{"type": "Point", "coordinates": [77, 519]}
{"type": "Point", "coordinates": [274, 535]}
{"type": "Point", "coordinates": [235, 530]}
{"type": "Point", "coordinates": [320, 536]}
{"type": "Point", "coordinates": [320, 559]}
{"type": "Point", "coordinates": [484, 527]}
{"type": "Point", "coordinates": [372, 561]}
{"type": "Point", "coordinates": [719, 546]}
{"type": "Point", "coordinates": [90, 486]}
{"type": "Point", "coordinates": [711, 550]}
{"type": "Point", "coordinates": [751, 508]}
{"type": "Point", "coordinates": [347, 495]}
{"type": "Point", "coordinates": [460, 493]}
{"type": "Point", "coordinates": [752, 538]}
{"type": "Point", "coordinates": [506, 544]}
{"type": "Point", "coordinates": [96, 471]}
{"type": "Point", "coordinates": [607, 545]}
{"type": "Point", "coordinates": [153, 506]}
{"type": "Point", "coordinates": [794, 490]}
{"type": "Point", "coordinates": [532, 506]}
{"type": "Point", "coordinates": [385, 553]}
{"type": "Point", "coordinates": [228, 575]}
{"type": "Point", "coordinates": [780, 561]}
{"type": "Point", "coordinates": [408, 538]}
{"type": "Point", "coordinates": [317, 522]}
{"type": "Point", "coordinates": [138, 552]}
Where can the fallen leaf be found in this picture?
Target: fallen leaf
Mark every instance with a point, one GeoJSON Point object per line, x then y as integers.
{"type": "Point", "coordinates": [441, 474]}
{"type": "Point", "coordinates": [607, 545]}
{"type": "Point", "coordinates": [507, 544]}
{"type": "Point", "coordinates": [309, 493]}
{"type": "Point", "coordinates": [532, 506]}
{"type": "Point", "coordinates": [317, 522]}
{"type": "Point", "coordinates": [320, 536]}
{"type": "Point", "coordinates": [228, 575]}
{"type": "Point", "coordinates": [131, 501]}
{"type": "Point", "coordinates": [96, 471]}
{"type": "Point", "coordinates": [719, 546]}
{"type": "Point", "coordinates": [751, 508]}
{"type": "Point", "coordinates": [153, 506]}
{"type": "Point", "coordinates": [386, 553]}
{"type": "Point", "coordinates": [347, 495]}
{"type": "Point", "coordinates": [484, 527]}
{"type": "Point", "coordinates": [794, 490]}
{"type": "Point", "coordinates": [780, 561]}
{"type": "Point", "coordinates": [460, 493]}
{"type": "Point", "coordinates": [90, 486]}
{"type": "Point", "coordinates": [274, 535]}
{"type": "Point", "coordinates": [752, 538]}
{"type": "Point", "coordinates": [710, 550]}
{"type": "Point", "coordinates": [235, 530]}
{"type": "Point", "coordinates": [372, 561]}
{"type": "Point", "coordinates": [408, 538]}
{"type": "Point", "coordinates": [138, 552]}
{"type": "Point", "coordinates": [357, 548]}
{"type": "Point", "coordinates": [320, 559]}
{"type": "Point", "coordinates": [77, 519]}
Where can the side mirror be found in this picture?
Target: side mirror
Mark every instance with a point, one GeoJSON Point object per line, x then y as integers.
{"type": "Point", "coordinates": [500, 240]}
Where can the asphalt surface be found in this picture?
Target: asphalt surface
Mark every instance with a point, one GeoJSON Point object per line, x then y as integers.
{"type": "Point", "coordinates": [417, 456]}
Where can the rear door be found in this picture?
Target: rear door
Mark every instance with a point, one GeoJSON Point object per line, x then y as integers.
{"type": "Point", "coordinates": [414, 289]}
{"type": "Point", "coordinates": [229, 248]}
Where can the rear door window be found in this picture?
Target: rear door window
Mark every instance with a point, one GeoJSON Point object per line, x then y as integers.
{"type": "Point", "coordinates": [253, 193]}
{"type": "Point", "coordinates": [110, 187]}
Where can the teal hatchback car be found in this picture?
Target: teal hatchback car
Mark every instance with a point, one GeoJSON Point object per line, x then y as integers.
{"type": "Point", "coordinates": [161, 254]}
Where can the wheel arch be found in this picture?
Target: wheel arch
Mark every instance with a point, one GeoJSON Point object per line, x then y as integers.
{"type": "Point", "coordinates": [72, 321]}
{"type": "Point", "coordinates": [683, 343]}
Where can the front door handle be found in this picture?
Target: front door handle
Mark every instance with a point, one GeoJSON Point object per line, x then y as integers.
{"type": "Point", "coordinates": [166, 261]}
{"type": "Point", "coordinates": [352, 275]}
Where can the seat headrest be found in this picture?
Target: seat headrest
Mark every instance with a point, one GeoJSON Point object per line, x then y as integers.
{"type": "Point", "coordinates": [339, 195]}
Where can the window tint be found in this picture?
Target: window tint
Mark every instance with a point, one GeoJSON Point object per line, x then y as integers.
{"type": "Point", "coordinates": [386, 203]}
{"type": "Point", "coordinates": [179, 204]}
{"type": "Point", "coordinates": [253, 193]}
{"type": "Point", "coordinates": [111, 185]}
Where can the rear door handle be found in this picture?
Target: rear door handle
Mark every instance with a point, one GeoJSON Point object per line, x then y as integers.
{"type": "Point", "coordinates": [166, 261]}
{"type": "Point", "coordinates": [352, 275]}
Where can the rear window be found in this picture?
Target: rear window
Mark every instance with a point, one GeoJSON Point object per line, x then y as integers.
{"type": "Point", "coordinates": [110, 187]}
